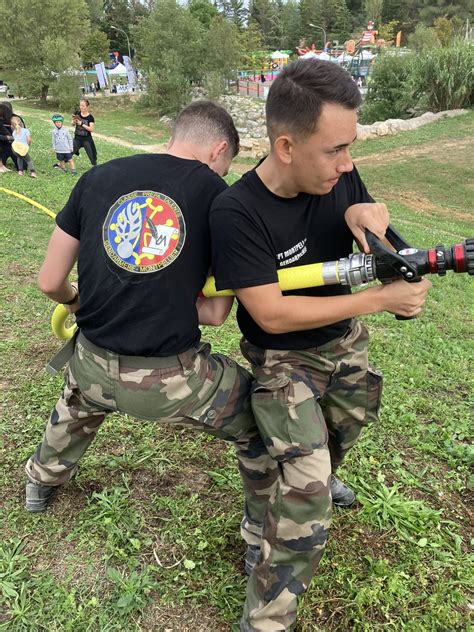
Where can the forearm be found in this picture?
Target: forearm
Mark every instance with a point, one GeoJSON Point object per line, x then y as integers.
{"type": "Point", "coordinates": [214, 311]}
{"type": "Point", "coordinates": [59, 261]}
{"type": "Point", "coordinates": [64, 293]}
{"type": "Point", "coordinates": [299, 313]}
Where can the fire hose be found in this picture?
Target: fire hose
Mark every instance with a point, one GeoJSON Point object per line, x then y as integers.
{"type": "Point", "coordinates": [383, 264]}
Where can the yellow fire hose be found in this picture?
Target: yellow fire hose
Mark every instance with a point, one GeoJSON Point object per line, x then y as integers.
{"type": "Point", "coordinates": [29, 201]}
{"type": "Point", "coordinates": [291, 279]}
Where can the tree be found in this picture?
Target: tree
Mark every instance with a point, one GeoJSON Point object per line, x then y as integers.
{"type": "Point", "coordinates": [251, 45]}
{"type": "Point", "coordinates": [222, 55]}
{"type": "Point", "coordinates": [170, 46]}
{"type": "Point", "coordinates": [423, 38]}
{"type": "Point", "coordinates": [331, 15]}
{"type": "Point", "coordinates": [204, 11]}
{"type": "Point", "coordinates": [39, 47]}
{"type": "Point", "coordinates": [290, 25]}
{"type": "Point", "coordinates": [340, 26]}
{"type": "Point", "coordinates": [96, 12]}
{"type": "Point", "coordinates": [95, 49]}
{"type": "Point", "coordinates": [235, 11]}
{"type": "Point", "coordinates": [373, 10]}
{"type": "Point", "coordinates": [429, 10]}
{"type": "Point", "coordinates": [444, 30]}
{"type": "Point", "coordinates": [265, 14]}
{"type": "Point", "coordinates": [388, 31]}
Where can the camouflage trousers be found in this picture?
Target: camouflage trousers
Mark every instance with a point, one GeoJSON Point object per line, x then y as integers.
{"type": "Point", "coordinates": [310, 407]}
{"type": "Point", "coordinates": [197, 389]}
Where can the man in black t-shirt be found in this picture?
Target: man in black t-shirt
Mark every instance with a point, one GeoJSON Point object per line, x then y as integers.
{"type": "Point", "coordinates": [139, 230]}
{"type": "Point", "coordinates": [314, 390]}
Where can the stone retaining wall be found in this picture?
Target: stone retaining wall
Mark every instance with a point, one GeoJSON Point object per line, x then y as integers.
{"type": "Point", "coordinates": [249, 117]}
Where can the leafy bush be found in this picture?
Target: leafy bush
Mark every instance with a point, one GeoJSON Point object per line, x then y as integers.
{"type": "Point", "coordinates": [65, 93]}
{"type": "Point", "coordinates": [424, 38]}
{"type": "Point", "coordinates": [434, 80]}
{"type": "Point", "coordinates": [168, 88]}
{"type": "Point", "coordinates": [443, 78]}
{"type": "Point", "coordinates": [389, 90]}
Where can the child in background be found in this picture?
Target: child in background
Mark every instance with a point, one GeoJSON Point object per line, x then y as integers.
{"type": "Point", "coordinates": [62, 145]}
{"type": "Point", "coordinates": [22, 135]}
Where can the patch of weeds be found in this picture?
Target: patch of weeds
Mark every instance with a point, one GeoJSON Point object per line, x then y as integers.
{"type": "Point", "coordinates": [131, 591]}
{"type": "Point", "coordinates": [111, 522]}
{"type": "Point", "coordinates": [387, 509]}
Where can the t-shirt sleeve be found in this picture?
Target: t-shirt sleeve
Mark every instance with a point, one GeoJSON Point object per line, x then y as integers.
{"type": "Point", "coordinates": [242, 257]}
{"type": "Point", "coordinates": [69, 218]}
{"type": "Point", "coordinates": [358, 191]}
{"type": "Point", "coordinates": [91, 118]}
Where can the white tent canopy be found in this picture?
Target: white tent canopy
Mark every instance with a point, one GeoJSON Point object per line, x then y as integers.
{"type": "Point", "coordinates": [309, 55]}
{"type": "Point", "coordinates": [118, 70]}
{"type": "Point", "coordinates": [278, 54]}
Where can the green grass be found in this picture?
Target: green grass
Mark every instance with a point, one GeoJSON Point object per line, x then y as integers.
{"type": "Point", "coordinates": [147, 535]}
{"type": "Point", "coordinates": [116, 116]}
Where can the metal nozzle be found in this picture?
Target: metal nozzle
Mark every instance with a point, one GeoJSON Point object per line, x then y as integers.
{"type": "Point", "coordinates": [356, 269]}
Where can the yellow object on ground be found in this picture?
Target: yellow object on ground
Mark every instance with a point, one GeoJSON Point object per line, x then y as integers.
{"type": "Point", "coordinates": [20, 196]}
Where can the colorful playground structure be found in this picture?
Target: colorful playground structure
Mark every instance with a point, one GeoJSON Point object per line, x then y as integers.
{"type": "Point", "coordinates": [357, 56]}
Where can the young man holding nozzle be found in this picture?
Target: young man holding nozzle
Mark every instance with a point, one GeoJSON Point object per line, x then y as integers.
{"type": "Point", "coordinates": [314, 389]}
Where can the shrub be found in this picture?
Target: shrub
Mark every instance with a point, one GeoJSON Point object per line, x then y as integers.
{"type": "Point", "coordinates": [168, 88]}
{"type": "Point", "coordinates": [389, 90]}
{"type": "Point", "coordinates": [65, 93]}
{"type": "Point", "coordinates": [424, 38]}
{"type": "Point", "coordinates": [443, 78]}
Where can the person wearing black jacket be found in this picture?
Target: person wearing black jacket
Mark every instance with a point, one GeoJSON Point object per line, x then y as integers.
{"type": "Point", "coordinates": [6, 138]}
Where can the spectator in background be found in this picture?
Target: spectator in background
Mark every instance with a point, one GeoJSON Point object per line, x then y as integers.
{"type": "Point", "coordinates": [6, 135]}
{"type": "Point", "coordinates": [84, 124]}
{"type": "Point", "coordinates": [6, 139]}
{"type": "Point", "coordinates": [62, 145]}
{"type": "Point", "coordinates": [22, 138]}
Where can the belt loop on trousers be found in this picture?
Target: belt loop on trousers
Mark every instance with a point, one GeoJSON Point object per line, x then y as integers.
{"type": "Point", "coordinates": [113, 365]}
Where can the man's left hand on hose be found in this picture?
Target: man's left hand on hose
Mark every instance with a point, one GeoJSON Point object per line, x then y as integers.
{"type": "Point", "coordinates": [373, 216]}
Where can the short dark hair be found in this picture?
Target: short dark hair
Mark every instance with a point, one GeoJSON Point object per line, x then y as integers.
{"type": "Point", "coordinates": [297, 95]}
{"type": "Point", "coordinates": [204, 121]}
{"type": "Point", "coordinates": [6, 112]}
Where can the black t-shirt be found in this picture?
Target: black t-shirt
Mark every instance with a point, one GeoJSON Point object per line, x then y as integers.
{"type": "Point", "coordinates": [255, 233]}
{"type": "Point", "coordinates": [145, 251]}
{"type": "Point", "coordinates": [79, 131]}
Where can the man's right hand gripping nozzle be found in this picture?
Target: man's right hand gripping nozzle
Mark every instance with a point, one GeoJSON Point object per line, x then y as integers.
{"type": "Point", "coordinates": [404, 299]}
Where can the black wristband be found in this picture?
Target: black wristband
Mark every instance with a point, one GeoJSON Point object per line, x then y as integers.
{"type": "Point", "coordinates": [73, 300]}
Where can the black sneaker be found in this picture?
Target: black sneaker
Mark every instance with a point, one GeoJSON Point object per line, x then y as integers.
{"type": "Point", "coordinates": [56, 166]}
{"type": "Point", "coordinates": [38, 497]}
{"type": "Point", "coordinates": [342, 495]}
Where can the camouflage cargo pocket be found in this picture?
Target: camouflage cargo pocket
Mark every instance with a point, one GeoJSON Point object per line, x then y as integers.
{"type": "Point", "coordinates": [223, 391]}
{"type": "Point", "coordinates": [288, 417]}
{"type": "Point", "coordinates": [374, 395]}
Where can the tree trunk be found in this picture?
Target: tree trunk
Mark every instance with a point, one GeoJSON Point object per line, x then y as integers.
{"type": "Point", "coordinates": [44, 93]}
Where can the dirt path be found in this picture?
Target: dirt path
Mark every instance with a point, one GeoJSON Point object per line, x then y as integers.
{"type": "Point", "coordinates": [404, 154]}
{"type": "Point", "coordinates": [158, 148]}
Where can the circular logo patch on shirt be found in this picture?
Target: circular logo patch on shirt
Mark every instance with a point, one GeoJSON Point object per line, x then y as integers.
{"type": "Point", "coordinates": [144, 231]}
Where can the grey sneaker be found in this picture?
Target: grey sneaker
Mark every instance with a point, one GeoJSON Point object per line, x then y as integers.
{"type": "Point", "coordinates": [38, 497]}
{"type": "Point", "coordinates": [252, 557]}
{"type": "Point", "coordinates": [342, 495]}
